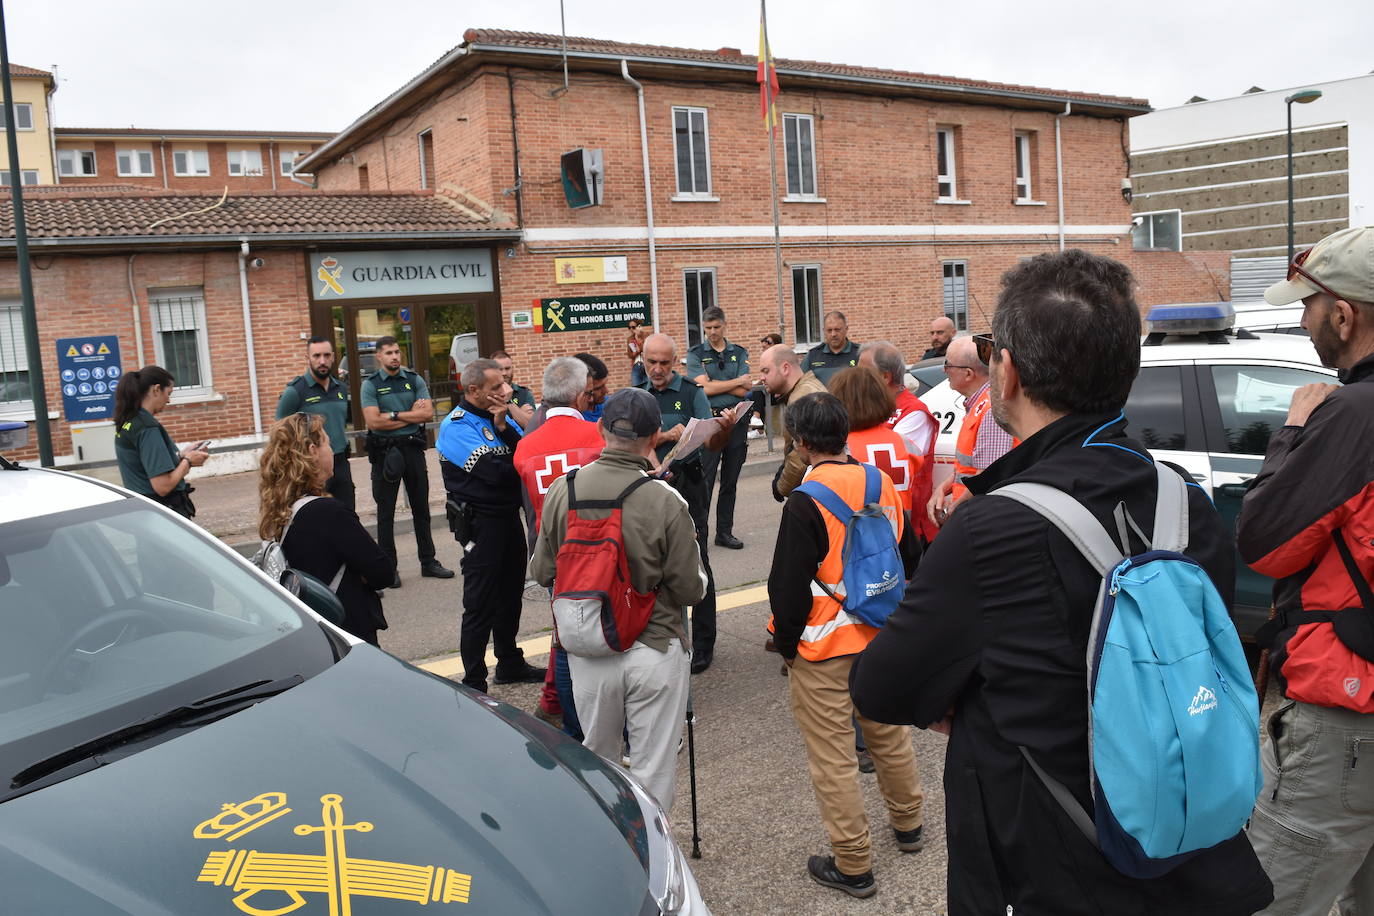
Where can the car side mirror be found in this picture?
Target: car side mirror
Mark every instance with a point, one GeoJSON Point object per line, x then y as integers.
{"type": "Point", "coordinates": [315, 595]}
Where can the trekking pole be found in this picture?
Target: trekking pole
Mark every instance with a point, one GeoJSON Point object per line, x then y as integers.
{"type": "Point", "coordinates": [692, 775]}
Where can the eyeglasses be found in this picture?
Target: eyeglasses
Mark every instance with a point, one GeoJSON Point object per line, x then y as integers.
{"type": "Point", "coordinates": [1296, 269]}
{"type": "Point", "coordinates": [985, 346]}
{"type": "Point", "coordinates": [949, 365]}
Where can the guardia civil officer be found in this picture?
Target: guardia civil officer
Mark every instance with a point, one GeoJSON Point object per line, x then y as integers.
{"type": "Point", "coordinates": [318, 392]}
{"type": "Point", "coordinates": [477, 458]}
{"type": "Point", "coordinates": [679, 400]}
{"type": "Point", "coordinates": [521, 398]}
{"type": "Point", "coordinates": [396, 407]}
{"type": "Point", "coordinates": [721, 368]}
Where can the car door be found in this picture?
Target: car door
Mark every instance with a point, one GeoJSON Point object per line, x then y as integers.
{"type": "Point", "coordinates": [1162, 414]}
{"type": "Point", "coordinates": [1243, 404]}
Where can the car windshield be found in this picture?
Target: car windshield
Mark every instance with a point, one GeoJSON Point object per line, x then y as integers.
{"type": "Point", "coordinates": [114, 613]}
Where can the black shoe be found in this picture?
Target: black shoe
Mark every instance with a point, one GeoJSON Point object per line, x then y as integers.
{"type": "Point", "coordinates": [396, 582]}
{"type": "Point", "coordinates": [700, 663]}
{"type": "Point", "coordinates": [436, 570]}
{"type": "Point", "coordinates": [729, 540]}
{"type": "Point", "coordinates": [823, 871]}
{"type": "Point", "coordinates": [908, 840]}
{"type": "Point", "coordinates": [479, 686]}
{"type": "Point", "coordinates": [866, 762]}
{"type": "Point", "coordinates": [526, 675]}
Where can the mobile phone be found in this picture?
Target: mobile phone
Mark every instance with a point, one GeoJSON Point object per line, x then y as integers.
{"type": "Point", "coordinates": [202, 445]}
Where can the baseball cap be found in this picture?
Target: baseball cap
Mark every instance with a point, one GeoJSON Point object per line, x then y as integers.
{"type": "Point", "coordinates": [1343, 263]}
{"type": "Point", "coordinates": [632, 412]}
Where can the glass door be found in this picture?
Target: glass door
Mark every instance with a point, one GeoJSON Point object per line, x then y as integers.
{"type": "Point", "coordinates": [360, 329]}
{"type": "Point", "coordinates": [448, 332]}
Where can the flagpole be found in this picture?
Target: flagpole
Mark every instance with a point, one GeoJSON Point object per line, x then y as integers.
{"type": "Point", "coordinates": [773, 166]}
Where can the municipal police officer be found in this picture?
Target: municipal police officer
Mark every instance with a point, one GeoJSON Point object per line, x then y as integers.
{"type": "Point", "coordinates": [396, 407]}
{"type": "Point", "coordinates": [477, 458]}
{"type": "Point", "coordinates": [679, 400]}
{"type": "Point", "coordinates": [318, 392]}
{"type": "Point", "coordinates": [721, 368]}
{"type": "Point", "coordinates": [521, 398]}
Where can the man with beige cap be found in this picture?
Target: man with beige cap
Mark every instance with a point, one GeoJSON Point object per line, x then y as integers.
{"type": "Point", "coordinates": [1308, 521]}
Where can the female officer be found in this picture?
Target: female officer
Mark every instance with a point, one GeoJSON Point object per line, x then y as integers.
{"type": "Point", "coordinates": [149, 461]}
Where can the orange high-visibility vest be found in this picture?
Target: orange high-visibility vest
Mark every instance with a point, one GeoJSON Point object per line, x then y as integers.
{"type": "Point", "coordinates": [881, 447]}
{"type": "Point", "coordinates": [968, 440]}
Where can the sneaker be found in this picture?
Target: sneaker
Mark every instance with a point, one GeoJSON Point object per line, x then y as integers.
{"type": "Point", "coordinates": [865, 761]}
{"type": "Point", "coordinates": [823, 871]}
{"type": "Point", "coordinates": [530, 674]}
{"type": "Point", "coordinates": [908, 840]}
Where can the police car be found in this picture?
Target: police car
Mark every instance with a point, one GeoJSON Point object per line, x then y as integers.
{"type": "Point", "coordinates": [1207, 398]}
{"type": "Point", "coordinates": [180, 734]}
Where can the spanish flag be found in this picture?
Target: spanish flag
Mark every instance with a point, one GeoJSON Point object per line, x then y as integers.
{"type": "Point", "coordinates": [767, 78]}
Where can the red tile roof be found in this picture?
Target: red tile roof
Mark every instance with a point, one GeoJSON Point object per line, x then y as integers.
{"type": "Point", "coordinates": [20, 70]}
{"type": "Point", "coordinates": [72, 214]}
{"type": "Point", "coordinates": [153, 132]}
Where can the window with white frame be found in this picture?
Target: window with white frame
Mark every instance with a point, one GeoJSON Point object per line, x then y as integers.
{"type": "Point", "coordinates": [799, 138]}
{"type": "Point", "coordinates": [955, 275]}
{"type": "Point", "coordinates": [699, 292]}
{"type": "Point", "coordinates": [692, 153]}
{"type": "Point", "coordinates": [245, 162]}
{"type": "Point", "coordinates": [1021, 147]}
{"type": "Point", "coordinates": [23, 116]}
{"type": "Point", "coordinates": [26, 176]}
{"type": "Point", "coordinates": [288, 159]}
{"type": "Point", "coordinates": [76, 163]}
{"type": "Point", "coordinates": [190, 162]}
{"type": "Point", "coordinates": [945, 165]}
{"type": "Point", "coordinates": [180, 337]}
{"type": "Point", "coordinates": [16, 396]}
{"type": "Point", "coordinates": [1159, 231]}
{"type": "Point", "coordinates": [806, 302]}
{"type": "Point", "coordinates": [134, 162]}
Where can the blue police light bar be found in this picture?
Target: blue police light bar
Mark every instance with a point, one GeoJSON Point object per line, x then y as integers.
{"type": "Point", "coordinates": [1191, 318]}
{"type": "Point", "coordinates": [14, 435]}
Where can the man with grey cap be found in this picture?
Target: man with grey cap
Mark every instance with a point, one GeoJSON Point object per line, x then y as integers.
{"type": "Point", "coordinates": [643, 689]}
{"type": "Point", "coordinates": [1308, 520]}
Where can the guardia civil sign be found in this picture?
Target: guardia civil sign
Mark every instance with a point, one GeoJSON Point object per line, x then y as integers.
{"type": "Point", "coordinates": [415, 272]}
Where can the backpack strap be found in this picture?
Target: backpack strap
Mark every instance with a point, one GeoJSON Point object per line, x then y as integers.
{"type": "Point", "coordinates": [1171, 511]}
{"type": "Point", "coordinates": [296, 507]}
{"type": "Point", "coordinates": [829, 499]}
{"type": "Point", "coordinates": [1065, 799]}
{"type": "Point", "coordinates": [873, 485]}
{"type": "Point", "coordinates": [575, 503]}
{"type": "Point", "coordinates": [1071, 517]}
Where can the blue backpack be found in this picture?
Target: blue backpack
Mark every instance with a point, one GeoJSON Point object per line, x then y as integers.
{"type": "Point", "coordinates": [1173, 719]}
{"type": "Point", "coordinates": [874, 580]}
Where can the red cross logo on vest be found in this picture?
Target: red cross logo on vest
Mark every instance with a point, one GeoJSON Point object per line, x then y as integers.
{"type": "Point", "coordinates": [555, 466]}
{"type": "Point", "coordinates": [883, 456]}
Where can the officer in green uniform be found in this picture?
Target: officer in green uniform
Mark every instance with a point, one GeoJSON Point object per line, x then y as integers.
{"type": "Point", "coordinates": [836, 353]}
{"type": "Point", "coordinates": [396, 407]}
{"type": "Point", "coordinates": [521, 398]}
{"type": "Point", "coordinates": [149, 462]}
{"type": "Point", "coordinates": [318, 392]}
{"type": "Point", "coordinates": [721, 368]}
{"type": "Point", "coordinates": [679, 400]}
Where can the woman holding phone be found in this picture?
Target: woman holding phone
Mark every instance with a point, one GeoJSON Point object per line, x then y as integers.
{"type": "Point", "coordinates": [149, 461]}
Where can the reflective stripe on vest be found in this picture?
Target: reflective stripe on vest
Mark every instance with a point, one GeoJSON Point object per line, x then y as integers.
{"type": "Point", "coordinates": [968, 441]}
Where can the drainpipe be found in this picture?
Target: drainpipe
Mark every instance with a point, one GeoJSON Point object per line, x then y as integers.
{"type": "Point", "coordinates": [52, 127]}
{"type": "Point", "coordinates": [162, 154]}
{"type": "Point", "coordinates": [648, 192]}
{"type": "Point", "coordinates": [272, 161]}
{"type": "Point", "coordinates": [249, 351]}
{"type": "Point", "coordinates": [138, 314]}
{"type": "Point", "coordinates": [1059, 168]}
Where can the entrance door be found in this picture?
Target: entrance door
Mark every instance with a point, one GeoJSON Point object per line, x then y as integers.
{"type": "Point", "coordinates": [448, 341]}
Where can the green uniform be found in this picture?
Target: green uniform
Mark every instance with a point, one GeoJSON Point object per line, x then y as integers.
{"type": "Point", "coordinates": [144, 451]}
{"type": "Point", "coordinates": [397, 392]}
{"type": "Point", "coordinates": [306, 395]}
{"type": "Point", "coordinates": [521, 396]}
{"type": "Point", "coordinates": [719, 366]}
{"type": "Point", "coordinates": [825, 362]}
{"type": "Point", "coordinates": [679, 401]}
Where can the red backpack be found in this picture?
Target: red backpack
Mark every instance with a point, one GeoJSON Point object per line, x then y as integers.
{"type": "Point", "coordinates": [596, 610]}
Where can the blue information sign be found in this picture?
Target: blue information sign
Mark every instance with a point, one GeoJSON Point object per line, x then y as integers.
{"type": "Point", "coordinates": [89, 368]}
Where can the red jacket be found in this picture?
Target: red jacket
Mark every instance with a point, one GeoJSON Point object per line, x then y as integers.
{"type": "Point", "coordinates": [1317, 481]}
{"type": "Point", "coordinates": [562, 442]}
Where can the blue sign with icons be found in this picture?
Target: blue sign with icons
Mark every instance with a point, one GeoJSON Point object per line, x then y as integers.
{"type": "Point", "coordinates": [89, 368]}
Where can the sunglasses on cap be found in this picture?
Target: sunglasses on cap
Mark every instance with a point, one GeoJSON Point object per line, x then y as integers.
{"type": "Point", "coordinates": [985, 346]}
{"type": "Point", "coordinates": [1297, 270]}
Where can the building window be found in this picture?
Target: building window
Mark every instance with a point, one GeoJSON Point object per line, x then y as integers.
{"type": "Point", "coordinates": [806, 302]}
{"type": "Point", "coordinates": [1022, 148]}
{"type": "Point", "coordinates": [799, 139]}
{"type": "Point", "coordinates": [699, 292]}
{"type": "Point", "coordinates": [191, 162]}
{"type": "Point", "coordinates": [134, 162]}
{"type": "Point", "coordinates": [693, 153]}
{"type": "Point", "coordinates": [946, 188]}
{"type": "Point", "coordinates": [26, 176]}
{"type": "Point", "coordinates": [363, 183]}
{"type": "Point", "coordinates": [245, 162]}
{"type": "Point", "coordinates": [956, 292]}
{"type": "Point", "coordinates": [1160, 231]}
{"type": "Point", "coordinates": [15, 393]}
{"type": "Point", "coordinates": [179, 334]}
{"type": "Point", "coordinates": [23, 116]}
{"type": "Point", "coordinates": [426, 158]}
{"type": "Point", "coordinates": [288, 160]}
{"type": "Point", "coordinates": [77, 163]}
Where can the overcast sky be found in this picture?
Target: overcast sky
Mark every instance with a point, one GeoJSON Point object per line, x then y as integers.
{"type": "Point", "coordinates": [282, 65]}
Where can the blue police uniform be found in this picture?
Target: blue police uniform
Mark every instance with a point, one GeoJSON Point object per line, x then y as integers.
{"type": "Point", "coordinates": [727, 364]}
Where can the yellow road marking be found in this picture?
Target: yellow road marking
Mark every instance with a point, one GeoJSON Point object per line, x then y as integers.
{"type": "Point", "coordinates": [452, 666]}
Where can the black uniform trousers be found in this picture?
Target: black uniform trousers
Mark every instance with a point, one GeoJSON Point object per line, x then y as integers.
{"type": "Point", "coordinates": [690, 481]}
{"type": "Point", "coordinates": [728, 461]}
{"type": "Point", "coordinates": [493, 586]}
{"type": "Point", "coordinates": [340, 486]}
{"type": "Point", "coordinates": [416, 480]}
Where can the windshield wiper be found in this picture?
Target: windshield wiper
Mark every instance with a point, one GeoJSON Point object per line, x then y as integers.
{"type": "Point", "coordinates": [200, 712]}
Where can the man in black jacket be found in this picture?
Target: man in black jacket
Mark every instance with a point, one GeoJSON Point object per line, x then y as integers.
{"type": "Point", "coordinates": [989, 643]}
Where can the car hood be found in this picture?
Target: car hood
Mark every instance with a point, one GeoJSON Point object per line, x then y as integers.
{"type": "Point", "coordinates": [373, 786]}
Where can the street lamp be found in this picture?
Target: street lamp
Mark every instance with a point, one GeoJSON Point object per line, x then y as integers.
{"type": "Point", "coordinates": [1302, 96]}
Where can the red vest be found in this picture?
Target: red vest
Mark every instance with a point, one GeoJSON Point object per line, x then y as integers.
{"type": "Point", "coordinates": [561, 443]}
{"type": "Point", "coordinates": [924, 463]}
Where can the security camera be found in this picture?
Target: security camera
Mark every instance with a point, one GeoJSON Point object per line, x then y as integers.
{"type": "Point", "coordinates": [256, 263]}
{"type": "Point", "coordinates": [1136, 221]}
{"type": "Point", "coordinates": [1126, 192]}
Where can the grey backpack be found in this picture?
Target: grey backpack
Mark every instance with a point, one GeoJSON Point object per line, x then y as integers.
{"type": "Point", "coordinates": [271, 559]}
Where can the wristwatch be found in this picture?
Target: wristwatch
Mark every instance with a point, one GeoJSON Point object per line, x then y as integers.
{"type": "Point", "coordinates": [394, 415]}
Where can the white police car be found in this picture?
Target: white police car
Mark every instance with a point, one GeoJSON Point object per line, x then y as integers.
{"type": "Point", "coordinates": [179, 734]}
{"type": "Point", "coordinates": [1206, 399]}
